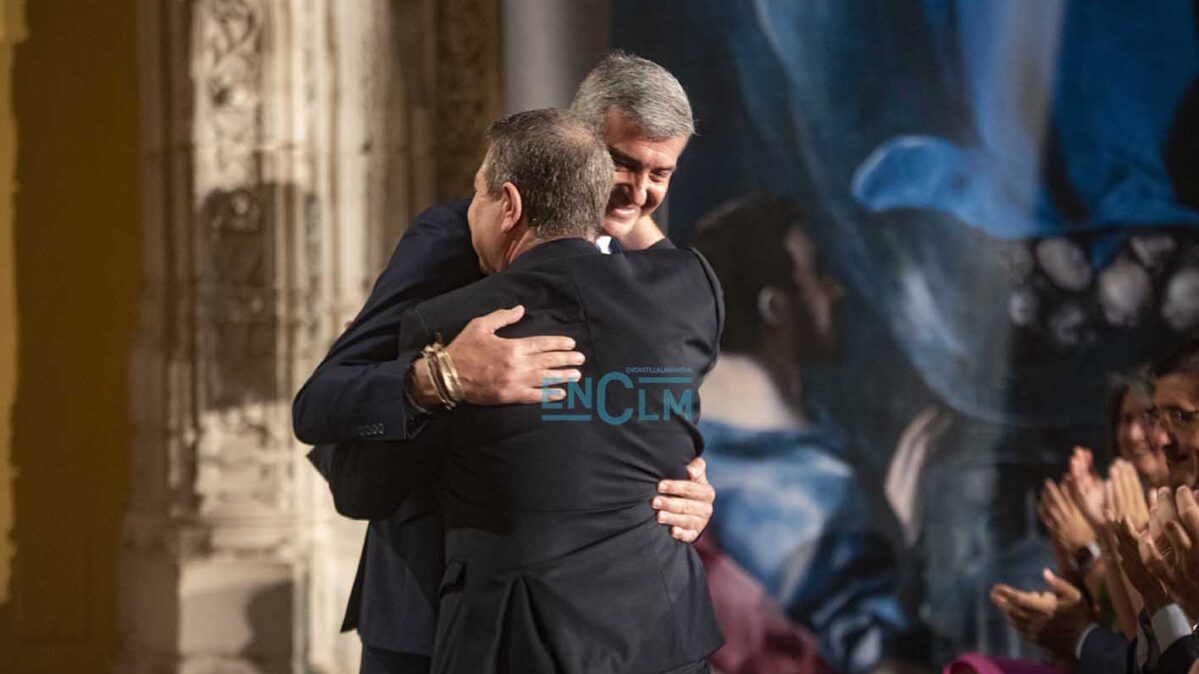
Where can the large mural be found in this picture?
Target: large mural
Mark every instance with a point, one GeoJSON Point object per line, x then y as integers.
{"type": "Point", "coordinates": [1009, 194]}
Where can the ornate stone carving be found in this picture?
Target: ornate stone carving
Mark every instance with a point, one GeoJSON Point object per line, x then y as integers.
{"type": "Point", "coordinates": [277, 135]}
{"type": "Point", "coordinates": [229, 67]}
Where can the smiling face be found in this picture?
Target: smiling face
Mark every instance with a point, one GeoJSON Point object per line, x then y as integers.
{"type": "Point", "coordinates": [1178, 440]}
{"type": "Point", "coordinates": [1132, 442]}
{"type": "Point", "coordinates": [644, 168]}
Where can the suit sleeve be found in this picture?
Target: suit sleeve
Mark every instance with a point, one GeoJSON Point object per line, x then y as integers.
{"type": "Point", "coordinates": [370, 480]}
{"type": "Point", "coordinates": [357, 392]}
{"type": "Point", "coordinates": [1105, 652]}
{"type": "Point", "coordinates": [718, 298]}
{"type": "Point", "coordinates": [1178, 658]}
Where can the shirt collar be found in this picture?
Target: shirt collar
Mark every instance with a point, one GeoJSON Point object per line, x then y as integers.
{"type": "Point", "coordinates": [553, 250]}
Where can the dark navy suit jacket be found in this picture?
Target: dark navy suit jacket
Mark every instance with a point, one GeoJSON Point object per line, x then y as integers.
{"type": "Point", "coordinates": [1105, 652]}
{"type": "Point", "coordinates": [357, 393]}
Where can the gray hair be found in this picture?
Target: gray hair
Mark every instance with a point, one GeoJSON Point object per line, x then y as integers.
{"type": "Point", "coordinates": [559, 165]}
{"type": "Point", "coordinates": [644, 91]}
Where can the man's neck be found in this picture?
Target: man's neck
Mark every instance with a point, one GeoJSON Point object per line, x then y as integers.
{"type": "Point", "coordinates": [740, 392]}
{"type": "Point", "coordinates": [528, 241]}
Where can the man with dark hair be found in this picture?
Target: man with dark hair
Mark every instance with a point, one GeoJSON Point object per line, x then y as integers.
{"type": "Point", "coordinates": [1174, 417]}
{"type": "Point", "coordinates": [792, 511]}
{"type": "Point", "coordinates": [365, 388]}
{"type": "Point", "coordinates": [555, 559]}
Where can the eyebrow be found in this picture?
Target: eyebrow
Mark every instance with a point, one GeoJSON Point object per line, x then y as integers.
{"type": "Point", "coordinates": [622, 158]}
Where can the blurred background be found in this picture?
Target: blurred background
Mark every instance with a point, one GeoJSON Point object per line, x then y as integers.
{"type": "Point", "coordinates": [196, 194]}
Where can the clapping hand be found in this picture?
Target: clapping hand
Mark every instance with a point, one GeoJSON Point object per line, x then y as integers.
{"type": "Point", "coordinates": [1173, 556]}
{"type": "Point", "coordinates": [1133, 548]}
{"type": "Point", "coordinates": [1053, 620]}
{"type": "Point", "coordinates": [1085, 486]}
{"type": "Point", "coordinates": [1064, 519]}
{"type": "Point", "coordinates": [1124, 495]}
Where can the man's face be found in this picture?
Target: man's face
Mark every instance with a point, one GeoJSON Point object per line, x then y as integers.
{"type": "Point", "coordinates": [816, 296]}
{"type": "Point", "coordinates": [486, 217]}
{"type": "Point", "coordinates": [1176, 429]}
{"type": "Point", "coordinates": [643, 171]}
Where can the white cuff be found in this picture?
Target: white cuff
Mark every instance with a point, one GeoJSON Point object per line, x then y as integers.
{"type": "Point", "coordinates": [1082, 638]}
{"type": "Point", "coordinates": [1169, 625]}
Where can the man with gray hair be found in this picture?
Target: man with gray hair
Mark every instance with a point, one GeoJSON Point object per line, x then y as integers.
{"type": "Point", "coordinates": [556, 559]}
{"type": "Point", "coordinates": [363, 391]}
{"type": "Point", "coordinates": [644, 116]}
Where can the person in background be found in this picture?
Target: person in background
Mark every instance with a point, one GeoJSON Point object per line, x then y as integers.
{"type": "Point", "coordinates": [792, 512]}
{"type": "Point", "coordinates": [1151, 543]}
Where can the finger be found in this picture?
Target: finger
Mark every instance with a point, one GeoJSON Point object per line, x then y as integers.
{"type": "Point", "coordinates": [1060, 587]}
{"type": "Point", "coordinates": [531, 395]}
{"type": "Point", "coordinates": [684, 535]}
{"type": "Point", "coordinates": [1059, 495]}
{"type": "Point", "coordinates": [682, 506]}
{"type": "Point", "coordinates": [529, 346]}
{"type": "Point", "coordinates": [683, 521]}
{"type": "Point", "coordinates": [555, 377]}
{"type": "Point", "coordinates": [1178, 539]}
{"type": "Point", "coordinates": [498, 319]}
{"type": "Point", "coordinates": [1188, 510]}
{"type": "Point", "coordinates": [697, 470]}
{"type": "Point", "coordinates": [1046, 518]}
{"type": "Point", "coordinates": [551, 360]}
{"type": "Point", "coordinates": [1030, 603]}
{"type": "Point", "coordinates": [696, 491]}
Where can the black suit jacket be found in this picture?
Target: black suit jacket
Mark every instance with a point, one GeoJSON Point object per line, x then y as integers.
{"type": "Point", "coordinates": [555, 560]}
{"type": "Point", "coordinates": [356, 396]}
{"type": "Point", "coordinates": [1178, 658]}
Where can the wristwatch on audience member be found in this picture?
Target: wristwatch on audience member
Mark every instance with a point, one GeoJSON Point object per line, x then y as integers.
{"type": "Point", "coordinates": [1085, 556]}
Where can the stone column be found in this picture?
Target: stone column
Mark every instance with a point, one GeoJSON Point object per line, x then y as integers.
{"type": "Point", "coordinates": [216, 559]}
{"type": "Point", "coordinates": [286, 145]}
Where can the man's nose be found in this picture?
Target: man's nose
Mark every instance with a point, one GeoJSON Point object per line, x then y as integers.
{"type": "Point", "coordinates": [639, 189]}
{"type": "Point", "coordinates": [1159, 437]}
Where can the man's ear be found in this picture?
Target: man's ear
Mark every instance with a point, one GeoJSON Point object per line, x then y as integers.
{"type": "Point", "coordinates": [511, 206]}
{"type": "Point", "coordinates": [773, 309]}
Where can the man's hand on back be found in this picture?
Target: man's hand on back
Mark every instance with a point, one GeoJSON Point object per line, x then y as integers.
{"type": "Point", "coordinates": [493, 370]}
{"type": "Point", "coordinates": [686, 505]}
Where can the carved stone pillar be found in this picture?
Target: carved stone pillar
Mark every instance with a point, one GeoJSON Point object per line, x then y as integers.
{"type": "Point", "coordinates": [216, 559]}
{"type": "Point", "coordinates": [286, 145]}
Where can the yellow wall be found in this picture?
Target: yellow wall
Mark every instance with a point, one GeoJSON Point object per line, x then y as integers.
{"type": "Point", "coordinates": [76, 230]}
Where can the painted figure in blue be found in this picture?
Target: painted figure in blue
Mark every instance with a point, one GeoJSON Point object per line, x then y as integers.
{"type": "Point", "coordinates": [792, 510]}
{"type": "Point", "coordinates": [1010, 190]}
